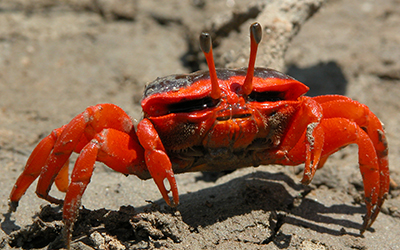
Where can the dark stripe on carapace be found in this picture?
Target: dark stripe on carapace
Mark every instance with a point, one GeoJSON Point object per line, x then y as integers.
{"type": "Point", "coordinates": [176, 82]}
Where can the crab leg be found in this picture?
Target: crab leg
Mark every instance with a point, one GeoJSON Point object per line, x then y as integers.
{"type": "Point", "coordinates": [340, 106]}
{"type": "Point", "coordinates": [61, 179]}
{"type": "Point", "coordinates": [62, 150]}
{"type": "Point", "coordinates": [80, 178]}
{"type": "Point", "coordinates": [33, 167]}
{"type": "Point", "coordinates": [368, 160]}
{"type": "Point", "coordinates": [92, 120]}
{"type": "Point", "coordinates": [157, 160]}
{"type": "Point", "coordinates": [53, 152]}
{"type": "Point", "coordinates": [349, 132]}
{"type": "Point", "coordinates": [114, 148]}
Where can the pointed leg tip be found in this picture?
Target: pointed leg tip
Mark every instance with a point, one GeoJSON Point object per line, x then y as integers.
{"type": "Point", "coordinates": [364, 228]}
{"type": "Point", "coordinates": [305, 181]}
{"type": "Point", "coordinates": [67, 235]}
{"type": "Point", "coordinates": [366, 224]}
{"type": "Point", "coordinates": [175, 202]}
{"type": "Point", "coordinates": [12, 206]}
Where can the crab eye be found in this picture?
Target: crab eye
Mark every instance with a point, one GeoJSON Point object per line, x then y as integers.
{"type": "Point", "coordinates": [268, 96]}
{"type": "Point", "coordinates": [192, 105]}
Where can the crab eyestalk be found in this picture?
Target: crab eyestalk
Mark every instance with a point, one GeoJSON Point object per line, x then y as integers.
{"type": "Point", "coordinates": [206, 47]}
{"type": "Point", "coordinates": [255, 39]}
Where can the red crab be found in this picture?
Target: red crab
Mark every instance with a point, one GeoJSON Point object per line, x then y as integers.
{"type": "Point", "coordinates": [221, 119]}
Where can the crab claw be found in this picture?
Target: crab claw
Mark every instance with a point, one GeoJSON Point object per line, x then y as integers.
{"type": "Point", "coordinates": [157, 161]}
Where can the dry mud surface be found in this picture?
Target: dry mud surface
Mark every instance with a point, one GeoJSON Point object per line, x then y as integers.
{"type": "Point", "coordinates": [58, 57]}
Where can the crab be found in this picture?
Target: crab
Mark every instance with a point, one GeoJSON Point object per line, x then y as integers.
{"type": "Point", "coordinates": [215, 120]}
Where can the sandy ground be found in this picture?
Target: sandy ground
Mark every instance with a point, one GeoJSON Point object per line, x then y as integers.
{"type": "Point", "coordinates": [58, 57]}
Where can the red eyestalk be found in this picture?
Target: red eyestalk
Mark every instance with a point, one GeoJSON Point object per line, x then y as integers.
{"type": "Point", "coordinates": [255, 39]}
{"type": "Point", "coordinates": [206, 47]}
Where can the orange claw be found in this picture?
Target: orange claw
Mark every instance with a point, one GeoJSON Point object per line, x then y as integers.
{"type": "Point", "coordinates": [314, 141]}
{"type": "Point", "coordinates": [157, 160]}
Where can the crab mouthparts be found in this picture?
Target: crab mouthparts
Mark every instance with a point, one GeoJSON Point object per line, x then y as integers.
{"type": "Point", "coordinates": [233, 116]}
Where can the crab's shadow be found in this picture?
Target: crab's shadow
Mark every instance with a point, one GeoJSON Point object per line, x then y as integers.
{"type": "Point", "coordinates": [279, 197]}
{"type": "Point", "coordinates": [322, 78]}
{"type": "Point", "coordinates": [275, 192]}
